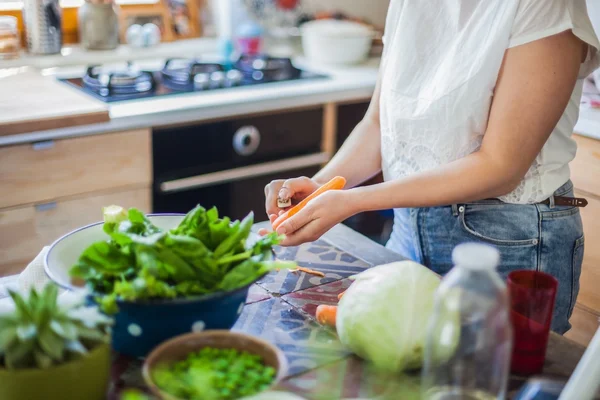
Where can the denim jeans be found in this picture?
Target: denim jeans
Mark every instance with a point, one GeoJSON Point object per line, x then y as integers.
{"type": "Point", "coordinates": [530, 236]}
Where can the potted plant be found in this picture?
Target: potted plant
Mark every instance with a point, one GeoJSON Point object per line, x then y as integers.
{"type": "Point", "coordinates": [53, 350]}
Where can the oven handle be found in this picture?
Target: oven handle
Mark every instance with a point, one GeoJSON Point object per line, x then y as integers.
{"type": "Point", "coordinates": [250, 171]}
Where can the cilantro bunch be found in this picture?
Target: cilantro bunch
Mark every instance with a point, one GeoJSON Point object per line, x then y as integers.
{"type": "Point", "coordinates": [204, 254]}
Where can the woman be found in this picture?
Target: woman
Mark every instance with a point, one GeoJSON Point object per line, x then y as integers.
{"type": "Point", "coordinates": [470, 123]}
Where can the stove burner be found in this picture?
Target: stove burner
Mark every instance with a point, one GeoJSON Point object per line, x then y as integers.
{"type": "Point", "coordinates": [262, 68]}
{"type": "Point", "coordinates": [130, 81]}
{"type": "Point", "coordinates": [183, 72]}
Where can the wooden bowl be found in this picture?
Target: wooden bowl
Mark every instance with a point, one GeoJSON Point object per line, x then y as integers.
{"type": "Point", "coordinates": [178, 348]}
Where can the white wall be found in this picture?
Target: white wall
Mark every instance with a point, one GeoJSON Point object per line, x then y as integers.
{"type": "Point", "coordinates": [594, 13]}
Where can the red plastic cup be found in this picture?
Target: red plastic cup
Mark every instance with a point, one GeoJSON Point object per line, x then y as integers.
{"type": "Point", "coordinates": [532, 296]}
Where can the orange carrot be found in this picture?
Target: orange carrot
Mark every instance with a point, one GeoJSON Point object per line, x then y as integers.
{"type": "Point", "coordinates": [341, 295]}
{"type": "Point", "coordinates": [326, 315]}
{"type": "Point", "coordinates": [336, 183]}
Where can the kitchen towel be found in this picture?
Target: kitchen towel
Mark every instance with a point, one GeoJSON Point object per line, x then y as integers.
{"type": "Point", "coordinates": [33, 276]}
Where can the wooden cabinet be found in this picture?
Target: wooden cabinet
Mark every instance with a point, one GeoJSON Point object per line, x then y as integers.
{"type": "Point", "coordinates": [46, 171]}
{"type": "Point", "coordinates": [26, 230]}
{"type": "Point", "coordinates": [51, 188]}
{"type": "Point", "coordinates": [585, 173]}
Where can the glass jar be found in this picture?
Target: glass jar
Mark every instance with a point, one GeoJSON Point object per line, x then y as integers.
{"type": "Point", "coordinates": [98, 25]}
{"type": "Point", "coordinates": [9, 38]}
{"type": "Point", "coordinates": [469, 338]}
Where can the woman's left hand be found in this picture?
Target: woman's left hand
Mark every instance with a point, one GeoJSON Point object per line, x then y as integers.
{"type": "Point", "coordinates": [317, 217]}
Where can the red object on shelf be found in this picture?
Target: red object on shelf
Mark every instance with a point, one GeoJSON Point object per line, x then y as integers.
{"type": "Point", "coordinates": [250, 45]}
{"type": "Point", "coordinates": [288, 4]}
{"type": "Point", "coordinates": [532, 297]}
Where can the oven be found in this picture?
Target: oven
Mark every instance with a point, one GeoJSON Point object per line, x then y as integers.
{"type": "Point", "coordinates": [227, 164]}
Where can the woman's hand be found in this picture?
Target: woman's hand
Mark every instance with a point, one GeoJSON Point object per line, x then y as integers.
{"type": "Point", "coordinates": [320, 215]}
{"type": "Point", "coordinates": [296, 189]}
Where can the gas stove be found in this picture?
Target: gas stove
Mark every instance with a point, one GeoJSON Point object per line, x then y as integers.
{"type": "Point", "coordinates": [181, 75]}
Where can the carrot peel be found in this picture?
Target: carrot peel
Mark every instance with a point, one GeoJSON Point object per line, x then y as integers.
{"type": "Point", "coordinates": [336, 183]}
{"type": "Point", "coordinates": [309, 271]}
{"type": "Point", "coordinates": [326, 315]}
{"type": "Point", "coordinates": [341, 295]}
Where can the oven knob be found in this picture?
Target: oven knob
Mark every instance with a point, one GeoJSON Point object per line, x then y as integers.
{"type": "Point", "coordinates": [217, 78]}
{"type": "Point", "coordinates": [234, 77]}
{"type": "Point", "coordinates": [246, 140]}
{"type": "Point", "coordinates": [201, 81]}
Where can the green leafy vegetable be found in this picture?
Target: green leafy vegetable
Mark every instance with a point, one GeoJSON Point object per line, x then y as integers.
{"type": "Point", "coordinates": [203, 254]}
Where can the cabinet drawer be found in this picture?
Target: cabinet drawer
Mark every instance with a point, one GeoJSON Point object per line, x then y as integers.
{"type": "Point", "coordinates": [27, 229]}
{"type": "Point", "coordinates": [50, 170]}
{"type": "Point", "coordinates": [584, 325]}
{"type": "Point", "coordinates": [589, 292]}
{"type": "Point", "coordinates": [585, 168]}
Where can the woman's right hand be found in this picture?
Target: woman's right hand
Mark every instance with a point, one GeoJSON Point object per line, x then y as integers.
{"type": "Point", "coordinates": [296, 189]}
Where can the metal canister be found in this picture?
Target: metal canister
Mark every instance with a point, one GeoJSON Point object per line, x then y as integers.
{"type": "Point", "coordinates": [43, 26]}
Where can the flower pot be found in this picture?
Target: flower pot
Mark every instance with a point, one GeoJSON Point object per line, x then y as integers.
{"type": "Point", "coordinates": [86, 378]}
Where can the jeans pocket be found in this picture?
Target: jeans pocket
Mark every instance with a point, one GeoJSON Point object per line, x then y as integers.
{"type": "Point", "coordinates": [501, 224]}
{"type": "Point", "coordinates": [577, 261]}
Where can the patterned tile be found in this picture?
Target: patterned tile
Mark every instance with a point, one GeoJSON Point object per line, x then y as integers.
{"type": "Point", "coordinates": [256, 294]}
{"type": "Point", "coordinates": [306, 344]}
{"type": "Point", "coordinates": [309, 299]}
{"type": "Point", "coordinates": [320, 256]}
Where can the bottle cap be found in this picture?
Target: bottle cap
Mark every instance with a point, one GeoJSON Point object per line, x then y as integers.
{"type": "Point", "coordinates": [476, 255]}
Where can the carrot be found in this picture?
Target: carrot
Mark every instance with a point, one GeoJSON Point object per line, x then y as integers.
{"type": "Point", "coordinates": [336, 183]}
{"type": "Point", "coordinates": [326, 315]}
{"type": "Point", "coordinates": [341, 295]}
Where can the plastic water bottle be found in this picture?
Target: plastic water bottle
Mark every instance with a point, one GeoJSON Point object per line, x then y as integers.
{"type": "Point", "coordinates": [469, 337]}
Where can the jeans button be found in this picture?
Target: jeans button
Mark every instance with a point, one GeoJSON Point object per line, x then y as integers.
{"type": "Point", "coordinates": [535, 241]}
{"type": "Point", "coordinates": [461, 209]}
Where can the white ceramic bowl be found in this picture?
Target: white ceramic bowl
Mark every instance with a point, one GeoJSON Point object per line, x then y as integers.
{"type": "Point", "coordinates": [336, 42]}
{"type": "Point", "coordinates": [65, 252]}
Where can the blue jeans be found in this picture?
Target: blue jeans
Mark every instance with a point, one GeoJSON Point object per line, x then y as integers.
{"type": "Point", "coordinates": [531, 236]}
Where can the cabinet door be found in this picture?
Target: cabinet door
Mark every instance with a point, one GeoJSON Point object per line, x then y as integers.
{"type": "Point", "coordinates": [46, 171]}
{"type": "Point", "coordinates": [589, 292]}
{"type": "Point", "coordinates": [26, 230]}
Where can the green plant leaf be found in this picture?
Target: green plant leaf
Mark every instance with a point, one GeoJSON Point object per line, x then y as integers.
{"type": "Point", "coordinates": [66, 330]}
{"type": "Point", "coordinates": [8, 335]}
{"type": "Point", "coordinates": [75, 346]}
{"type": "Point", "coordinates": [21, 306]}
{"type": "Point", "coordinates": [49, 296]}
{"type": "Point", "coordinates": [18, 353]}
{"type": "Point", "coordinates": [42, 360]}
{"type": "Point", "coordinates": [92, 334]}
{"type": "Point", "coordinates": [237, 238]}
{"type": "Point", "coordinates": [51, 344]}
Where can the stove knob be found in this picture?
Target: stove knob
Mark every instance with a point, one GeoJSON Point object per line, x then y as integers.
{"type": "Point", "coordinates": [217, 78]}
{"type": "Point", "coordinates": [234, 77]}
{"type": "Point", "coordinates": [201, 81]}
{"type": "Point", "coordinates": [246, 140]}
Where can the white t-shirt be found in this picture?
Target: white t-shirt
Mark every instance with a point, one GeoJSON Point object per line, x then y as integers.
{"type": "Point", "coordinates": [440, 66]}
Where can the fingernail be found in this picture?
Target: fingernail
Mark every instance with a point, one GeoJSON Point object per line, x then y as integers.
{"type": "Point", "coordinates": [281, 231]}
{"type": "Point", "coordinates": [284, 194]}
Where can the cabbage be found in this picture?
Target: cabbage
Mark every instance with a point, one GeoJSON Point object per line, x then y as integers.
{"type": "Point", "coordinates": [384, 315]}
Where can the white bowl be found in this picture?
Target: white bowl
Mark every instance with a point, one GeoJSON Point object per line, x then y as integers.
{"type": "Point", "coordinates": [65, 252]}
{"type": "Point", "coordinates": [336, 42]}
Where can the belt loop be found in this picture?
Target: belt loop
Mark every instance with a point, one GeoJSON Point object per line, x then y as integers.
{"type": "Point", "coordinates": [552, 203]}
{"type": "Point", "coordinates": [455, 210]}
